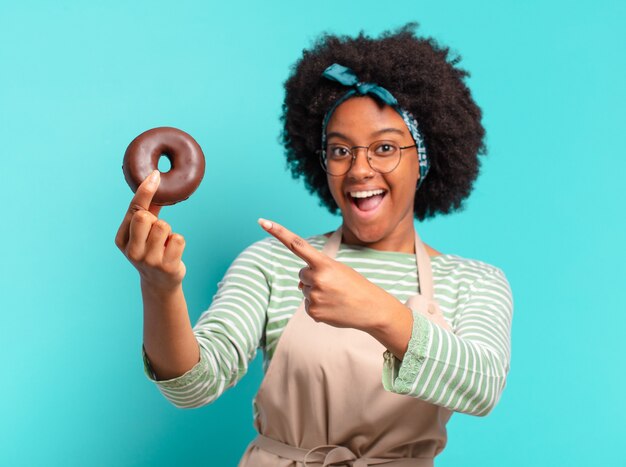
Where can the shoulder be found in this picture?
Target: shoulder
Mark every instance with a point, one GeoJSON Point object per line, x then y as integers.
{"type": "Point", "coordinates": [256, 259]}
{"type": "Point", "coordinates": [473, 273]}
{"type": "Point", "coordinates": [452, 263]}
{"type": "Point", "coordinates": [260, 250]}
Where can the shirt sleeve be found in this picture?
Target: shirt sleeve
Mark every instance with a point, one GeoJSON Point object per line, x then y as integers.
{"type": "Point", "coordinates": [463, 370]}
{"type": "Point", "coordinates": [229, 332]}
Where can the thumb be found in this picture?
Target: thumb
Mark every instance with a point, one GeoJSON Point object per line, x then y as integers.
{"type": "Point", "coordinates": [146, 191]}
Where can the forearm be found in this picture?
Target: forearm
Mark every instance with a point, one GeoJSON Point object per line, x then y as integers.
{"type": "Point", "coordinates": [393, 329]}
{"type": "Point", "coordinates": [447, 370]}
{"type": "Point", "coordinates": [169, 341]}
{"type": "Point", "coordinates": [470, 382]}
{"type": "Point", "coordinates": [468, 377]}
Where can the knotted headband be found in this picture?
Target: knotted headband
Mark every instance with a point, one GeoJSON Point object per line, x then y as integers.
{"type": "Point", "coordinates": [347, 77]}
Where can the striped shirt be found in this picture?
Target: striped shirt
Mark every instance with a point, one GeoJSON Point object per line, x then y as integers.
{"type": "Point", "coordinates": [463, 370]}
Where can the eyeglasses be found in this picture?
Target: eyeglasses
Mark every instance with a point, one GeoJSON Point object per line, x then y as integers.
{"type": "Point", "coordinates": [382, 156]}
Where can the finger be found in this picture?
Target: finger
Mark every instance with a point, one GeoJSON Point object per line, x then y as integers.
{"type": "Point", "coordinates": [174, 248]}
{"type": "Point", "coordinates": [141, 200]}
{"type": "Point", "coordinates": [140, 226]}
{"type": "Point", "coordinates": [306, 276]}
{"type": "Point", "coordinates": [155, 245]}
{"type": "Point", "coordinates": [306, 291]}
{"type": "Point", "coordinates": [145, 192]}
{"type": "Point", "coordinates": [296, 244]}
{"type": "Point", "coordinates": [155, 209]}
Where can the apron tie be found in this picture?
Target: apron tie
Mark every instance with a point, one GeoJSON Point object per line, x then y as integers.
{"type": "Point", "coordinates": [335, 455]}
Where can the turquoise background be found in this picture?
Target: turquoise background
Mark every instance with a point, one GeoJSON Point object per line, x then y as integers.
{"type": "Point", "coordinates": [79, 80]}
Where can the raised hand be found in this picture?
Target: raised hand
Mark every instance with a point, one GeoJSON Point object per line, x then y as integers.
{"type": "Point", "coordinates": [148, 242]}
{"type": "Point", "coordinates": [335, 293]}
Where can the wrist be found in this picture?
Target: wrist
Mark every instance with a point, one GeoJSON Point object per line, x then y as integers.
{"type": "Point", "coordinates": [390, 318]}
{"type": "Point", "coordinates": [394, 327]}
{"type": "Point", "coordinates": [159, 291]}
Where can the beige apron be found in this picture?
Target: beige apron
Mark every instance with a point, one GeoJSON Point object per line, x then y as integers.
{"type": "Point", "coordinates": [322, 402]}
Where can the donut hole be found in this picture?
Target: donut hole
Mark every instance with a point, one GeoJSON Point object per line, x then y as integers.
{"type": "Point", "coordinates": [165, 163]}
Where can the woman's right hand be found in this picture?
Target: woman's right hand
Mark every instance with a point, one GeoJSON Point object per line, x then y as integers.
{"type": "Point", "coordinates": [148, 242]}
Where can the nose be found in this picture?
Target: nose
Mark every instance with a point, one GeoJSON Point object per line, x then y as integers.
{"type": "Point", "coordinates": [360, 165]}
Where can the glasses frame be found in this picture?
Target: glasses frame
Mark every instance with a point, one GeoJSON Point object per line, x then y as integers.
{"type": "Point", "coordinates": [353, 153]}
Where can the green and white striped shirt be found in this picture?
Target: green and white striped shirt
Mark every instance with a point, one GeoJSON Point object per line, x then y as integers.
{"type": "Point", "coordinates": [464, 370]}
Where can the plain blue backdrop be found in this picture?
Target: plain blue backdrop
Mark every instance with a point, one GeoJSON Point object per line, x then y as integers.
{"type": "Point", "coordinates": [79, 80]}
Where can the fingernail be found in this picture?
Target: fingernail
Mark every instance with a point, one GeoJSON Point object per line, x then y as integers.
{"type": "Point", "coordinates": [154, 178]}
{"type": "Point", "coordinates": [264, 223]}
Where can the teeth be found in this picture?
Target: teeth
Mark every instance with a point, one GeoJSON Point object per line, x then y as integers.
{"type": "Point", "coordinates": [365, 194]}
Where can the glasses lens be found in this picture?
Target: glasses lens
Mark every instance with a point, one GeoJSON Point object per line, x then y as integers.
{"type": "Point", "coordinates": [337, 159]}
{"type": "Point", "coordinates": [384, 156]}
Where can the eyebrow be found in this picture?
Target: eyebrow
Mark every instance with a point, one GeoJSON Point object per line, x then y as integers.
{"type": "Point", "coordinates": [376, 133]}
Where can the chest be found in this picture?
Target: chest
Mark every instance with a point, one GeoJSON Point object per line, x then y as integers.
{"type": "Point", "coordinates": [399, 278]}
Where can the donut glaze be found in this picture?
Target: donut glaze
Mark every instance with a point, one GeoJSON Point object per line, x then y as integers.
{"type": "Point", "coordinates": [184, 153]}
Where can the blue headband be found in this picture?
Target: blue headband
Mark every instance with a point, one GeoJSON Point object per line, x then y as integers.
{"type": "Point", "coordinates": [347, 77]}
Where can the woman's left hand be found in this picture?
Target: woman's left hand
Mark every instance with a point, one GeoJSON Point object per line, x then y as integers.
{"type": "Point", "coordinates": [335, 293]}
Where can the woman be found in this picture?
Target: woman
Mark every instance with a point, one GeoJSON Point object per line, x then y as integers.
{"type": "Point", "coordinates": [371, 338]}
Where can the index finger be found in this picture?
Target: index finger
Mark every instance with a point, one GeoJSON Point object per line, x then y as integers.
{"type": "Point", "coordinates": [296, 244]}
{"type": "Point", "coordinates": [142, 199]}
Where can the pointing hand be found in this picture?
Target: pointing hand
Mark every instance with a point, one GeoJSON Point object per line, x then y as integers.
{"type": "Point", "coordinates": [334, 293]}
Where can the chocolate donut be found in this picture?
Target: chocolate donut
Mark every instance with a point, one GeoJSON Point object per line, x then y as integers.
{"type": "Point", "coordinates": [184, 153]}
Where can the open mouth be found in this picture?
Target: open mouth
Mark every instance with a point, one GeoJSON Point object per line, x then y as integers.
{"type": "Point", "coordinates": [367, 200]}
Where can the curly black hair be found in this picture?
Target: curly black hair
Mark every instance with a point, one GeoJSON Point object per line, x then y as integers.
{"type": "Point", "coordinates": [425, 80]}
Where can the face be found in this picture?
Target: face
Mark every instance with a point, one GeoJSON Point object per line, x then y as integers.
{"type": "Point", "coordinates": [384, 222]}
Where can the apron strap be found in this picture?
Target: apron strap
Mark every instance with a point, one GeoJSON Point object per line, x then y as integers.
{"type": "Point", "coordinates": [424, 267]}
{"type": "Point", "coordinates": [331, 247]}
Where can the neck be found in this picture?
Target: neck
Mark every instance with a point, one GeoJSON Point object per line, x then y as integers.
{"type": "Point", "coordinates": [401, 239]}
